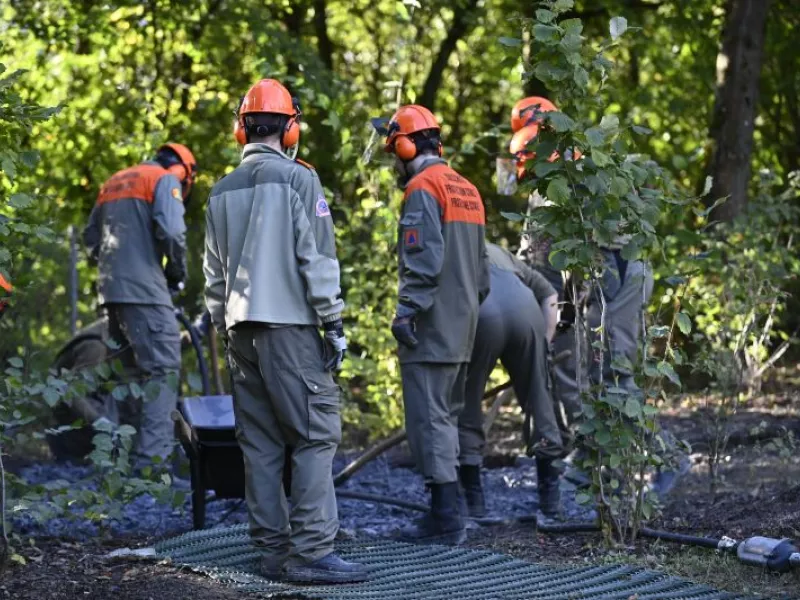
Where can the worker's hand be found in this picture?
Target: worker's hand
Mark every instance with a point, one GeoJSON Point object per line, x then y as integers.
{"type": "Point", "coordinates": [337, 344]}
{"type": "Point", "coordinates": [403, 329]}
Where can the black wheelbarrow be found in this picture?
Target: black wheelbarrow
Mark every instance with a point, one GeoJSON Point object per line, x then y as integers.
{"type": "Point", "coordinates": [205, 427]}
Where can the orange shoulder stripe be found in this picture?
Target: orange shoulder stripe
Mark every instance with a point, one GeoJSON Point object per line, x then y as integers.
{"type": "Point", "coordinates": [137, 182]}
{"type": "Point", "coordinates": [4, 283]}
{"type": "Point", "coordinates": [459, 200]}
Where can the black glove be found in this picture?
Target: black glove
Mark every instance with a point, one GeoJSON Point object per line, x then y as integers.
{"type": "Point", "coordinates": [404, 326]}
{"type": "Point", "coordinates": [337, 344]}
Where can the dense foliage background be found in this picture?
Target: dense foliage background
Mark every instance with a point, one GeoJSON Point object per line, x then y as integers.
{"type": "Point", "coordinates": [129, 75]}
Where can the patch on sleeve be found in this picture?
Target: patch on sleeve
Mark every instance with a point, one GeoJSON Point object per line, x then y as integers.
{"type": "Point", "coordinates": [323, 210]}
{"type": "Point", "coordinates": [176, 193]}
{"type": "Point", "coordinates": [412, 238]}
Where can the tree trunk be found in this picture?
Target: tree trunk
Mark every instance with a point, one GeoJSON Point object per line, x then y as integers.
{"type": "Point", "coordinates": [733, 120]}
{"type": "Point", "coordinates": [460, 27]}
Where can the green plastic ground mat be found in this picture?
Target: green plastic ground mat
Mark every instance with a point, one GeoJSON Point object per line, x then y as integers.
{"type": "Point", "coordinates": [410, 572]}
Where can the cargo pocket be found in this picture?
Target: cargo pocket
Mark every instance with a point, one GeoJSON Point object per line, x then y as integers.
{"type": "Point", "coordinates": [323, 398]}
{"type": "Point", "coordinates": [163, 346]}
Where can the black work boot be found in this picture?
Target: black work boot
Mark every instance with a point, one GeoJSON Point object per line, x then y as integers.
{"type": "Point", "coordinates": [548, 485]}
{"type": "Point", "coordinates": [327, 570]}
{"type": "Point", "coordinates": [444, 523]}
{"type": "Point", "coordinates": [470, 477]}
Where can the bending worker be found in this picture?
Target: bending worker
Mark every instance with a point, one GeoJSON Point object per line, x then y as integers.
{"type": "Point", "coordinates": [136, 225]}
{"type": "Point", "coordinates": [626, 290]}
{"type": "Point", "coordinates": [516, 323]}
{"type": "Point", "coordinates": [443, 278]}
{"type": "Point", "coordinates": [272, 278]}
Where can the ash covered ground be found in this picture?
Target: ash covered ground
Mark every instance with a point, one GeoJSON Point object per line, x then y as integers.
{"type": "Point", "coordinates": [510, 492]}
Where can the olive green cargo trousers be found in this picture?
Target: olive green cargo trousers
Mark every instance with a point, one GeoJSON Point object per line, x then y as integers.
{"type": "Point", "coordinates": [283, 396]}
{"type": "Point", "coordinates": [149, 348]}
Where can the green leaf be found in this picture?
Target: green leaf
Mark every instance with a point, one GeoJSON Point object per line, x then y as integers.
{"type": "Point", "coordinates": [16, 362]}
{"type": "Point", "coordinates": [614, 461]}
{"type": "Point", "coordinates": [545, 33]}
{"type": "Point", "coordinates": [126, 431]}
{"type": "Point", "coordinates": [542, 169]}
{"type": "Point", "coordinates": [8, 167]}
{"type": "Point", "coordinates": [544, 15]}
{"type": "Point", "coordinates": [120, 393]}
{"type": "Point", "coordinates": [581, 77]}
{"type": "Point", "coordinates": [560, 121]}
{"type": "Point", "coordinates": [136, 390]}
{"type": "Point", "coordinates": [20, 201]}
{"type": "Point", "coordinates": [559, 260]}
{"type": "Point", "coordinates": [603, 437]}
{"type": "Point", "coordinates": [563, 5]}
{"type": "Point", "coordinates": [632, 408]}
{"type": "Point", "coordinates": [609, 123]}
{"type": "Point", "coordinates": [666, 369]}
{"type": "Point", "coordinates": [512, 216]}
{"type": "Point", "coordinates": [583, 498]}
{"type": "Point", "coordinates": [102, 425]}
{"type": "Point", "coordinates": [617, 27]}
{"type": "Point", "coordinates": [684, 323]}
{"type": "Point", "coordinates": [510, 42]}
{"type": "Point", "coordinates": [595, 136]}
{"type": "Point", "coordinates": [558, 191]}
{"type": "Point", "coordinates": [601, 159]}
{"type": "Point", "coordinates": [51, 396]}
{"type": "Point", "coordinates": [658, 331]}
{"type": "Point", "coordinates": [641, 130]}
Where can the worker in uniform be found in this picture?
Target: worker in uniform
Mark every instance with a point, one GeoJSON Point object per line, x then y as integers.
{"type": "Point", "coordinates": [535, 251]}
{"type": "Point", "coordinates": [5, 293]}
{"type": "Point", "coordinates": [136, 235]}
{"type": "Point", "coordinates": [443, 278]}
{"type": "Point", "coordinates": [626, 287]}
{"type": "Point", "coordinates": [272, 279]}
{"type": "Point", "coordinates": [515, 325]}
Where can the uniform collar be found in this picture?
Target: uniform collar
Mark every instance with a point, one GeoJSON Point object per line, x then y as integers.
{"type": "Point", "coordinates": [252, 152]}
{"type": "Point", "coordinates": [424, 164]}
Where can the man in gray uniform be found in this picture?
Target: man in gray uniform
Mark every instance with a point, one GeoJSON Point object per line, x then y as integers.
{"type": "Point", "coordinates": [443, 278]}
{"type": "Point", "coordinates": [515, 324]}
{"type": "Point", "coordinates": [135, 225]}
{"type": "Point", "coordinates": [272, 278]}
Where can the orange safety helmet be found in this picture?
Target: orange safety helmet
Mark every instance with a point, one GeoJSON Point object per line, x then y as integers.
{"type": "Point", "coordinates": [269, 96]}
{"type": "Point", "coordinates": [5, 290]}
{"type": "Point", "coordinates": [519, 148]}
{"type": "Point", "coordinates": [527, 111]}
{"type": "Point", "coordinates": [408, 120]}
{"type": "Point", "coordinates": [186, 170]}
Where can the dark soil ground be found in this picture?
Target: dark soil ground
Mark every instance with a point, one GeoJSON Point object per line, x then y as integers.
{"type": "Point", "coordinates": [758, 494]}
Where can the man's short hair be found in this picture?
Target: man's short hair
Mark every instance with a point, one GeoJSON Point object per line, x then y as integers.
{"type": "Point", "coordinates": [265, 125]}
{"type": "Point", "coordinates": [427, 140]}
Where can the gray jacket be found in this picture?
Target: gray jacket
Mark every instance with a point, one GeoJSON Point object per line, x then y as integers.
{"type": "Point", "coordinates": [136, 223]}
{"type": "Point", "coordinates": [270, 252]}
{"type": "Point", "coordinates": [443, 265]}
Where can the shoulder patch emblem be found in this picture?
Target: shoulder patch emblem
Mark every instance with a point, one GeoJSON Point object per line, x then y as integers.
{"type": "Point", "coordinates": [323, 210]}
{"type": "Point", "coordinates": [176, 193]}
{"type": "Point", "coordinates": [411, 237]}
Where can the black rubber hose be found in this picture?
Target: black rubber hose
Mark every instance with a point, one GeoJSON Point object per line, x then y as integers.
{"type": "Point", "coordinates": [380, 500]}
{"type": "Point", "coordinates": [680, 538]}
{"type": "Point", "coordinates": [197, 344]}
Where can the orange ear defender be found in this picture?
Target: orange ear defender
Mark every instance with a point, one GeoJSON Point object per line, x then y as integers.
{"type": "Point", "coordinates": [269, 96]}
{"type": "Point", "coordinates": [407, 121]}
